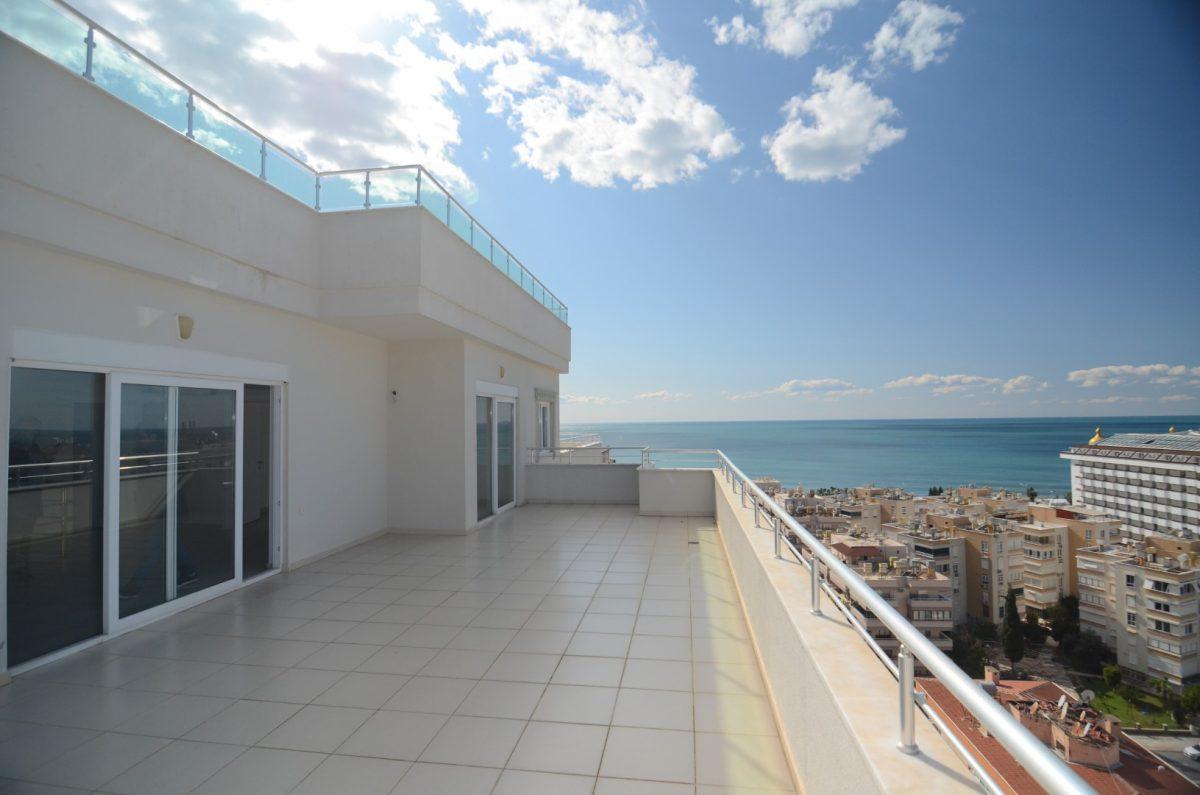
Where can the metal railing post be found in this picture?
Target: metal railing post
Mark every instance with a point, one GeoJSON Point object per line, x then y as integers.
{"type": "Point", "coordinates": [367, 191]}
{"type": "Point", "coordinates": [262, 159]}
{"type": "Point", "coordinates": [418, 185]}
{"type": "Point", "coordinates": [756, 511]}
{"type": "Point", "coordinates": [778, 536]}
{"type": "Point", "coordinates": [191, 109]}
{"type": "Point", "coordinates": [908, 722]}
{"type": "Point", "coordinates": [317, 203]}
{"type": "Point", "coordinates": [814, 571]}
{"type": "Point", "coordinates": [90, 42]}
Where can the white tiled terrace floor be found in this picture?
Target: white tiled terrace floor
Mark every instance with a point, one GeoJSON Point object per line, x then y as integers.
{"type": "Point", "coordinates": [566, 649]}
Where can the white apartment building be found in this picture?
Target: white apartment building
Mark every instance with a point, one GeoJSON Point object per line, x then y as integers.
{"type": "Point", "coordinates": [207, 379]}
{"type": "Point", "coordinates": [1150, 481]}
{"type": "Point", "coordinates": [1141, 598]}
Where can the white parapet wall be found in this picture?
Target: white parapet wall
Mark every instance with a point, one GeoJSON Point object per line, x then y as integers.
{"type": "Point", "coordinates": [675, 492]}
{"type": "Point", "coordinates": [836, 705]}
{"type": "Point", "coordinates": [582, 483]}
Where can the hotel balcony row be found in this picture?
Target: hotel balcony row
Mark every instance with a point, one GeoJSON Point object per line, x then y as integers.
{"type": "Point", "coordinates": [270, 527]}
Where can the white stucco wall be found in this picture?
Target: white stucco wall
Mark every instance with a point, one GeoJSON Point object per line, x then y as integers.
{"type": "Point", "coordinates": [427, 472]}
{"type": "Point", "coordinates": [675, 492]}
{"type": "Point", "coordinates": [83, 171]}
{"type": "Point", "coordinates": [590, 483]}
{"type": "Point", "coordinates": [336, 393]}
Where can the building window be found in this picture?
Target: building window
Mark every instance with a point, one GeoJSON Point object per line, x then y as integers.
{"type": "Point", "coordinates": [1131, 619]}
{"type": "Point", "coordinates": [1162, 626]}
{"type": "Point", "coordinates": [1129, 580]}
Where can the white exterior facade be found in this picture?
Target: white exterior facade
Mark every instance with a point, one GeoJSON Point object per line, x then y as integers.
{"type": "Point", "coordinates": [1151, 482]}
{"type": "Point", "coordinates": [130, 251]}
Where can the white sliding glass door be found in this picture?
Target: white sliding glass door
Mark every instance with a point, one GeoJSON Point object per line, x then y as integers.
{"type": "Point", "coordinates": [495, 454]}
{"type": "Point", "coordinates": [174, 493]}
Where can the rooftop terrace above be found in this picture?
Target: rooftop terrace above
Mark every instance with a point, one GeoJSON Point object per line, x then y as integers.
{"type": "Point", "coordinates": [85, 48]}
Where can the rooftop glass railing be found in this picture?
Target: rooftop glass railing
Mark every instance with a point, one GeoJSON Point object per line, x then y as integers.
{"type": "Point", "coordinates": [59, 32]}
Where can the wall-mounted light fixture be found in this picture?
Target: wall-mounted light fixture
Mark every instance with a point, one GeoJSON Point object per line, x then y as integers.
{"type": "Point", "coordinates": [185, 326]}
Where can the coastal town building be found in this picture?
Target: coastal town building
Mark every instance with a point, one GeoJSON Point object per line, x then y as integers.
{"type": "Point", "coordinates": [1141, 598]}
{"type": "Point", "coordinates": [1054, 535]}
{"type": "Point", "coordinates": [940, 551]}
{"type": "Point", "coordinates": [903, 508]}
{"type": "Point", "coordinates": [917, 591]}
{"type": "Point", "coordinates": [1150, 481]}
{"type": "Point", "coordinates": [995, 560]}
{"type": "Point", "coordinates": [1091, 742]}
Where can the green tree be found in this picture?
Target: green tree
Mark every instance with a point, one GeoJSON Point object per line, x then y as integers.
{"type": "Point", "coordinates": [1012, 634]}
{"type": "Point", "coordinates": [1191, 700]}
{"type": "Point", "coordinates": [1085, 652]}
{"type": "Point", "coordinates": [968, 653]}
{"type": "Point", "coordinates": [1031, 493]}
{"type": "Point", "coordinates": [1112, 675]}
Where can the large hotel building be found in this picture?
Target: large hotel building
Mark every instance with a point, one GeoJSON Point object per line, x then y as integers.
{"type": "Point", "coordinates": [1150, 481]}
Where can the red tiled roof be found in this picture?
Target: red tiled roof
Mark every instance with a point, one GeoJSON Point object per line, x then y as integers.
{"type": "Point", "coordinates": [1139, 771]}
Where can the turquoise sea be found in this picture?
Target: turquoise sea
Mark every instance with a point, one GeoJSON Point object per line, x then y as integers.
{"type": "Point", "coordinates": [912, 454]}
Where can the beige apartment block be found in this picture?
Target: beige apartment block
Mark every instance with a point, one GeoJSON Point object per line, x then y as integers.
{"type": "Point", "coordinates": [921, 594]}
{"type": "Point", "coordinates": [1045, 573]}
{"type": "Point", "coordinates": [1085, 526]}
{"type": "Point", "coordinates": [940, 551]}
{"type": "Point", "coordinates": [995, 558]}
{"type": "Point", "coordinates": [1141, 598]}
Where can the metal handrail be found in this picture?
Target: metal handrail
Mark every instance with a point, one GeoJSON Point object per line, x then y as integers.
{"type": "Point", "coordinates": [556, 306]}
{"type": "Point", "coordinates": [650, 452]}
{"type": "Point", "coordinates": [1048, 769]}
{"type": "Point", "coordinates": [601, 454]}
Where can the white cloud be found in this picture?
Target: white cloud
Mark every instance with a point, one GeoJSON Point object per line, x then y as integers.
{"type": "Point", "coordinates": [838, 394]}
{"type": "Point", "coordinates": [789, 27]}
{"type": "Point", "coordinates": [947, 383]}
{"type": "Point", "coordinates": [834, 131]}
{"type": "Point", "coordinates": [1022, 383]}
{"type": "Point", "coordinates": [1105, 401]}
{"type": "Point", "coordinates": [1177, 398]}
{"type": "Point", "coordinates": [663, 394]}
{"type": "Point", "coordinates": [623, 111]}
{"type": "Point", "coordinates": [917, 33]}
{"type": "Point", "coordinates": [735, 31]}
{"type": "Point", "coordinates": [589, 400]}
{"type": "Point", "coordinates": [344, 85]}
{"type": "Point", "coordinates": [1113, 374]}
{"type": "Point", "coordinates": [826, 388]}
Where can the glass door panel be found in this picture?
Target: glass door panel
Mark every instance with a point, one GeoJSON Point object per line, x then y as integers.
{"type": "Point", "coordinates": [204, 482]}
{"type": "Point", "coordinates": [506, 465]}
{"type": "Point", "coordinates": [483, 457]}
{"type": "Point", "coordinates": [176, 508]}
{"type": "Point", "coordinates": [146, 469]}
{"type": "Point", "coordinates": [55, 510]}
{"type": "Point", "coordinates": [256, 481]}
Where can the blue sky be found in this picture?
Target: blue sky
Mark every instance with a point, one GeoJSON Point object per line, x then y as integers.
{"type": "Point", "coordinates": [970, 209]}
